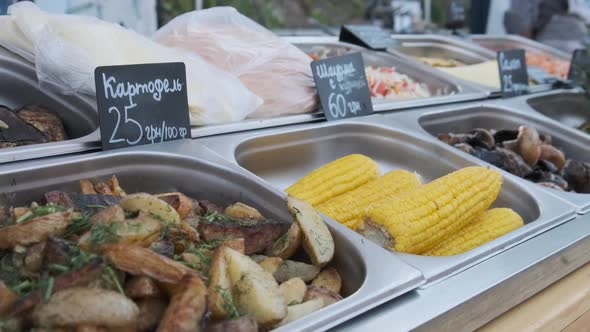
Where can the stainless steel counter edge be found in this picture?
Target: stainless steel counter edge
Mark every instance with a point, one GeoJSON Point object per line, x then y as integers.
{"type": "Point", "coordinates": [471, 299]}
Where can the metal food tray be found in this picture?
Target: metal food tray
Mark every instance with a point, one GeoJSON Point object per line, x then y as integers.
{"type": "Point", "coordinates": [19, 87]}
{"type": "Point", "coordinates": [443, 88]}
{"type": "Point", "coordinates": [282, 158]}
{"type": "Point", "coordinates": [436, 46]}
{"type": "Point", "coordinates": [575, 145]}
{"type": "Point", "coordinates": [503, 42]}
{"type": "Point", "coordinates": [571, 109]}
{"type": "Point", "coordinates": [188, 167]}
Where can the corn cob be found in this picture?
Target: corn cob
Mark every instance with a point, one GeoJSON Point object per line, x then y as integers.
{"type": "Point", "coordinates": [415, 221]}
{"type": "Point", "coordinates": [339, 176]}
{"type": "Point", "coordinates": [349, 208]}
{"type": "Point", "coordinates": [488, 226]}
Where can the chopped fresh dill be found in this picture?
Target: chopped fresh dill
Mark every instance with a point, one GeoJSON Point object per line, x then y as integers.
{"type": "Point", "coordinates": [96, 206]}
{"type": "Point", "coordinates": [48, 289]}
{"type": "Point", "coordinates": [103, 233]}
{"type": "Point", "coordinates": [79, 224]}
{"type": "Point", "coordinates": [228, 303]}
{"type": "Point", "coordinates": [111, 277]}
{"type": "Point", "coordinates": [220, 218]}
{"type": "Point", "coordinates": [40, 211]}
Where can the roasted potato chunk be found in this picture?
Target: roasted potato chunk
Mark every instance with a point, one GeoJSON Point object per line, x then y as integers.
{"type": "Point", "coordinates": [187, 308]}
{"type": "Point", "coordinates": [271, 264]}
{"type": "Point", "coordinates": [102, 188]}
{"type": "Point", "coordinates": [180, 202]}
{"type": "Point", "coordinates": [292, 269]}
{"type": "Point", "coordinates": [142, 261]}
{"type": "Point", "coordinates": [7, 298]}
{"type": "Point", "coordinates": [329, 279]}
{"type": "Point", "coordinates": [317, 239]}
{"type": "Point", "coordinates": [150, 204]}
{"type": "Point", "coordinates": [113, 213]}
{"type": "Point", "coordinates": [219, 285]}
{"type": "Point", "coordinates": [293, 291]}
{"type": "Point", "coordinates": [243, 211]}
{"type": "Point", "coordinates": [87, 188]}
{"type": "Point", "coordinates": [297, 311]}
{"type": "Point", "coordinates": [139, 287]}
{"type": "Point", "coordinates": [151, 311]}
{"type": "Point", "coordinates": [315, 292]}
{"type": "Point", "coordinates": [286, 245]}
{"type": "Point", "coordinates": [89, 306]}
{"type": "Point", "coordinates": [255, 291]}
{"type": "Point", "coordinates": [34, 230]}
{"type": "Point", "coordinates": [242, 324]}
{"type": "Point", "coordinates": [115, 187]}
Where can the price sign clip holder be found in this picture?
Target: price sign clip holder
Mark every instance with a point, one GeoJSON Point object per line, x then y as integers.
{"type": "Point", "coordinates": [367, 36]}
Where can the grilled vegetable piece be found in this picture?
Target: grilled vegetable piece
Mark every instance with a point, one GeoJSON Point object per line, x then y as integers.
{"type": "Point", "coordinates": [47, 122]}
{"type": "Point", "coordinates": [242, 324]}
{"type": "Point", "coordinates": [142, 261]}
{"type": "Point", "coordinates": [85, 202]}
{"type": "Point", "coordinates": [486, 227]}
{"type": "Point", "coordinates": [91, 306]}
{"type": "Point", "coordinates": [349, 208]}
{"type": "Point", "coordinates": [292, 269]}
{"type": "Point", "coordinates": [139, 287]}
{"type": "Point", "coordinates": [286, 245]}
{"type": "Point", "coordinates": [257, 235]}
{"type": "Point", "coordinates": [187, 308]}
{"type": "Point", "coordinates": [151, 311]}
{"type": "Point", "coordinates": [255, 291]}
{"type": "Point", "coordinates": [335, 178]}
{"type": "Point", "coordinates": [317, 239]}
{"type": "Point", "coordinates": [297, 311]}
{"type": "Point", "coordinates": [243, 211]}
{"type": "Point", "coordinates": [103, 189]}
{"type": "Point", "coordinates": [327, 296]}
{"type": "Point", "coordinates": [329, 279]}
{"type": "Point", "coordinates": [293, 290]}
{"type": "Point", "coordinates": [34, 230]}
{"type": "Point", "coordinates": [180, 202]}
{"type": "Point", "coordinates": [418, 220]}
{"type": "Point", "coordinates": [150, 204]}
{"type": "Point", "coordinates": [79, 277]}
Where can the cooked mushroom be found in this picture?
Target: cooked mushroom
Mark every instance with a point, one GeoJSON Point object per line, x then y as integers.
{"type": "Point", "coordinates": [527, 144]}
{"type": "Point", "coordinates": [453, 139]}
{"type": "Point", "coordinates": [552, 154]}
{"type": "Point", "coordinates": [503, 135]}
{"type": "Point", "coordinates": [577, 174]}
{"type": "Point", "coordinates": [547, 166]}
{"type": "Point", "coordinates": [482, 137]}
{"type": "Point", "coordinates": [539, 176]}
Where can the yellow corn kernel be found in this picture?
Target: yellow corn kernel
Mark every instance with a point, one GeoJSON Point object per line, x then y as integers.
{"type": "Point", "coordinates": [418, 220]}
{"type": "Point", "coordinates": [488, 226]}
{"type": "Point", "coordinates": [335, 178]}
{"type": "Point", "coordinates": [350, 207]}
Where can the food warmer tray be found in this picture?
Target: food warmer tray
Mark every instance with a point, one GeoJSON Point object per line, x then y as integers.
{"type": "Point", "coordinates": [19, 86]}
{"type": "Point", "coordinates": [570, 108]}
{"type": "Point", "coordinates": [504, 42]}
{"type": "Point", "coordinates": [282, 157]}
{"type": "Point", "coordinates": [449, 88]}
{"type": "Point", "coordinates": [188, 167]}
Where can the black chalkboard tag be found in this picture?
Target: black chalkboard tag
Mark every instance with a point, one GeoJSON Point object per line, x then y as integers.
{"type": "Point", "coordinates": [342, 86]}
{"type": "Point", "coordinates": [579, 67]}
{"type": "Point", "coordinates": [368, 36]}
{"type": "Point", "coordinates": [514, 79]}
{"type": "Point", "coordinates": [456, 15]}
{"type": "Point", "coordinates": [141, 104]}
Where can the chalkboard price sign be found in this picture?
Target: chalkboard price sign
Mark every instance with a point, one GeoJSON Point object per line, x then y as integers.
{"type": "Point", "coordinates": [141, 104]}
{"type": "Point", "coordinates": [514, 79]}
{"type": "Point", "coordinates": [369, 36]}
{"type": "Point", "coordinates": [342, 86]}
{"type": "Point", "coordinates": [580, 67]}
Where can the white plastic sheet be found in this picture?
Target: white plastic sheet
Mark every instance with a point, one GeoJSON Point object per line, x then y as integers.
{"type": "Point", "coordinates": [269, 66]}
{"type": "Point", "coordinates": [67, 49]}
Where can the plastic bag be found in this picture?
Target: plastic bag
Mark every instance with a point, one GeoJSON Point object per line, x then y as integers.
{"type": "Point", "coordinates": [269, 66]}
{"type": "Point", "coordinates": [68, 48]}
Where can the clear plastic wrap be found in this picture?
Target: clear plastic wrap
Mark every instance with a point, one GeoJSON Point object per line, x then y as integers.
{"type": "Point", "coordinates": [67, 49]}
{"type": "Point", "coordinates": [269, 66]}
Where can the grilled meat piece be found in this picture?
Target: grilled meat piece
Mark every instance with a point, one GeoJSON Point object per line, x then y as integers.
{"type": "Point", "coordinates": [258, 235]}
{"type": "Point", "coordinates": [92, 203]}
{"type": "Point", "coordinates": [45, 121]}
